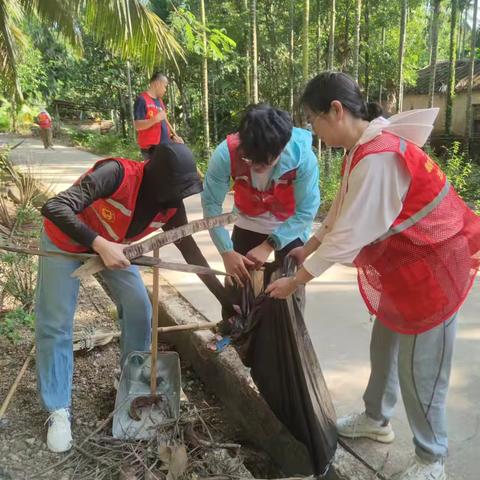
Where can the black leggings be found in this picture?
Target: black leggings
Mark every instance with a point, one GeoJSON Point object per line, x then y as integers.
{"type": "Point", "coordinates": [193, 255]}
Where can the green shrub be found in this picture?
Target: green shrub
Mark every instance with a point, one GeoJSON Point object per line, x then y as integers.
{"type": "Point", "coordinates": [14, 321]}
{"type": "Point", "coordinates": [109, 144]}
{"type": "Point", "coordinates": [19, 276]}
{"type": "Point", "coordinates": [329, 179]}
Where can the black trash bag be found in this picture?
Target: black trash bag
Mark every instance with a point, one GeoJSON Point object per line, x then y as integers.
{"type": "Point", "coordinates": [273, 341]}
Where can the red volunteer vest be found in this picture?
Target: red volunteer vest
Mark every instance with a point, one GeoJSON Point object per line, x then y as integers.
{"type": "Point", "coordinates": [279, 199]}
{"type": "Point", "coordinates": [44, 120]}
{"type": "Point", "coordinates": [111, 217]}
{"type": "Point", "coordinates": [151, 136]}
{"type": "Point", "coordinates": [418, 274]}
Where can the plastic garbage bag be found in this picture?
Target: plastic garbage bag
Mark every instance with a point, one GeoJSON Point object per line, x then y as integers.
{"type": "Point", "coordinates": [273, 341]}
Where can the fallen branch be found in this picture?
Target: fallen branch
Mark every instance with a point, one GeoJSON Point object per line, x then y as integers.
{"type": "Point", "coordinates": [15, 384]}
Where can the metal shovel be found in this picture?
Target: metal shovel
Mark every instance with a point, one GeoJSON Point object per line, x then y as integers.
{"type": "Point", "coordinates": [148, 394]}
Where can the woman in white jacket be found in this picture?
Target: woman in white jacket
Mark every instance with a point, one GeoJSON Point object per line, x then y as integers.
{"type": "Point", "coordinates": [415, 245]}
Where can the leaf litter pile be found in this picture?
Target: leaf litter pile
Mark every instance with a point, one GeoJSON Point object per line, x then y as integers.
{"type": "Point", "coordinates": [181, 449]}
{"type": "Point", "coordinates": [203, 443]}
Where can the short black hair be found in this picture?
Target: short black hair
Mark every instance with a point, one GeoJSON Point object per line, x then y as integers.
{"type": "Point", "coordinates": [326, 87]}
{"type": "Point", "coordinates": [264, 132]}
{"type": "Point", "coordinates": [158, 76]}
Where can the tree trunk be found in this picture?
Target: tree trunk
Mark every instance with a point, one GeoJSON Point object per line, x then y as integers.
{"type": "Point", "coordinates": [171, 105]}
{"type": "Point", "coordinates": [206, 126]}
{"type": "Point", "coordinates": [401, 54]}
{"type": "Point", "coordinates": [433, 59]}
{"type": "Point", "coordinates": [464, 33]}
{"type": "Point", "coordinates": [451, 67]}
{"type": "Point", "coordinates": [473, 44]}
{"type": "Point", "coordinates": [356, 47]}
{"type": "Point", "coordinates": [291, 66]}
{"type": "Point", "coordinates": [331, 40]}
{"type": "Point", "coordinates": [248, 70]}
{"type": "Point", "coordinates": [122, 114]}
{"type": "Point", "coordinates": [429, 30]}
{"type": "Point", "coordinates": [306, 18]}
{"type": "Point", "coordinates": [367, 53]}
{"type": "Point", "coordinates": [214, 103]}
{"type": "Point", "coordinates": [380, 88]}
{"type": "Point", "coordinates": [130, 100]}
{"type": "Point", "coordinates": [319, 68]}
{"type": "Point", "coordinates": [253, 21]}
{"type": "Point", "coordinates": [319, 37]}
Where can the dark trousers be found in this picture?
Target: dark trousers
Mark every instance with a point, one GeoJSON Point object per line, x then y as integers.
{"type": "Point", "coordinates": [244, 240]}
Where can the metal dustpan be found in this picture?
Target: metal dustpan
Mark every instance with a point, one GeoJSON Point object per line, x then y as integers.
{"type": "Point", "coordinates": [148, 394]}
{"type": "Point", "coordinates": [135, 384]}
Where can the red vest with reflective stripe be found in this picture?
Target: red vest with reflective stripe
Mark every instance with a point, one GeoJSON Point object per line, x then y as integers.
{"type": "Point", "coordinates": [418, 274]}
{"type": "Point", "coordinates": [110, 217]}
{"type": "Point", "coordinates": [279, 199]}
{"type": "Point", "coordinates": [151, 136]}
{"type": "Point", "coordinates": [44, 120]}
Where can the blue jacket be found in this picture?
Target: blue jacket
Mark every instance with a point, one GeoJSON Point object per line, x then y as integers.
{"type": "Point", "coordinates": [297, 154]}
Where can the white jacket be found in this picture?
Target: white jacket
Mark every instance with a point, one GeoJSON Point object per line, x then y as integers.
{"type": "Point", "coordinates": [376, 189]}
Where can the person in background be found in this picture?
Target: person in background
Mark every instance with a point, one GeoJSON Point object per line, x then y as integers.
{"type": "Point", "coordinates": [150, 115]}
{"type": "Point", "coordinates": [44, 121]}
{"type": "Point", "coordinates": [416, 247]}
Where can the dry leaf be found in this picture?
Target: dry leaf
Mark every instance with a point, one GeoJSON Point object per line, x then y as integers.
{"type": "Point", "coordinates": [127, 473]}
{"type": "Point", "coordinates": [178, 462]}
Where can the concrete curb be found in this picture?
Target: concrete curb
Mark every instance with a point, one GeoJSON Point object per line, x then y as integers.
{"type": "Point", "coordinates": [226, 376]}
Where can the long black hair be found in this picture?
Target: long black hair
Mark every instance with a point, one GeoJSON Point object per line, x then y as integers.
{"type": "Point", "coordinates": [326, 87]}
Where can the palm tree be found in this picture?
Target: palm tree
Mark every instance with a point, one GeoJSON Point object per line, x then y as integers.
{"type": "Point", "coordinates": [291, 65]}
{"type": "Point", "coordinates": [356, 48]}
{"type": "Point", "coordinates": [331, 40]}
{"type": "Point", "coordinates": [451, 66]}
{"type": "Point", "coordinates": [253, 27]}
{"type": "Point", "coordinates": [473, 45]}
{"type": "Point", "coordinates": [401, 53]}
{"type": "Point", "coordinates": [248, 89]}
{"type": "Point", "coordinates": [367, 54]}
{"type": "Point", "coordinates": [206, 126]}
{"type": "Point", "coordinates": [306, 17]}
{"type": "Point", "coordinates": [127, 27]}
{"type": "Point", "coordinates": [433, 58]}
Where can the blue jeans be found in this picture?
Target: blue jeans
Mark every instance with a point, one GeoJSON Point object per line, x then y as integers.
{"type": "Point", "coordinates": [56, 300]}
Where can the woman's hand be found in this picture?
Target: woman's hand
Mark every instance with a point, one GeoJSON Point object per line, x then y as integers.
{"type": "Point", "coordinates": [111, 253]}
{"type": "Point", "coordinates": [299, 254]}
{"type": "Point", "coordinates": [259, 255]}
{"type": "Point", "coordinates": [282, 288]}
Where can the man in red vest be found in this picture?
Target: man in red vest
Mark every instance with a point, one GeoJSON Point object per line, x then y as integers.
{"type": "Point", "coordinates": [44, 121]}
{"type": "Point", "coordinates": [150, 116]}
{"type": "Point", "coordinates": [115, 202]}
{"type": "Point", "coordinates": [275, 184]}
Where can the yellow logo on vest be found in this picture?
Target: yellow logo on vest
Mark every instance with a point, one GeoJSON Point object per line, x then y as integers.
{"type": "Point", "coordinates": [108, 215]}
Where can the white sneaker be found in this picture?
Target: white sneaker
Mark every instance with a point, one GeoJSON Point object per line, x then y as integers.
{"type": "Point", "coordinates": [59, 436]}
{"type": "Point", "coordinates": [358, 425]}
{"type": "Point", "coordinates": [420, 470]}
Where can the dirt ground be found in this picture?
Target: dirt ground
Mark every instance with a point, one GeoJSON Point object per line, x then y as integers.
{"type": "Point", "coordinates": [23, 451]}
